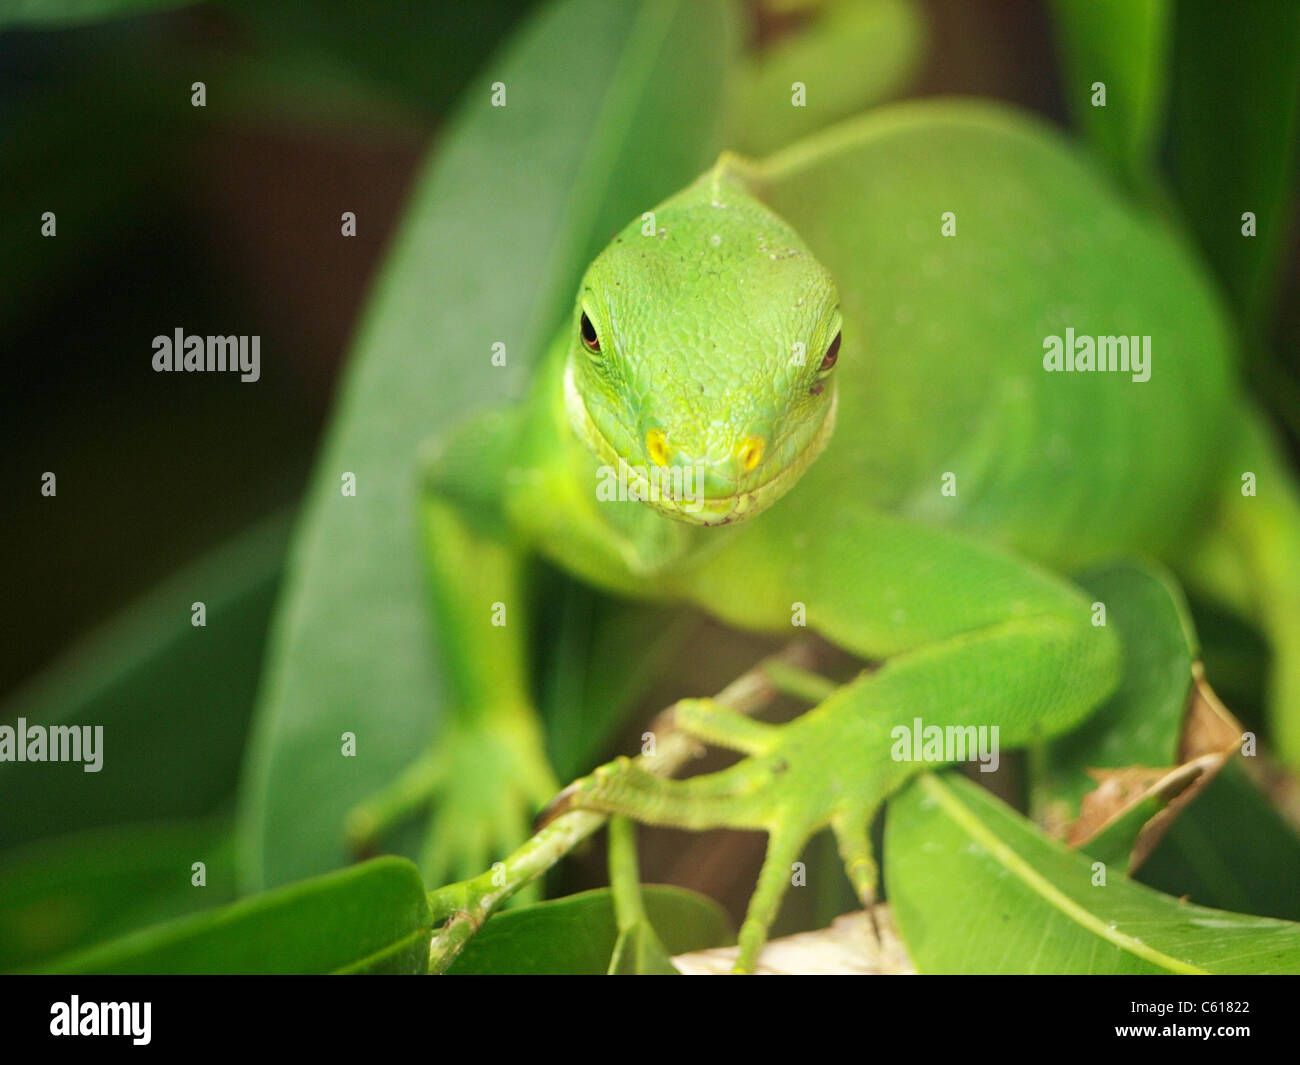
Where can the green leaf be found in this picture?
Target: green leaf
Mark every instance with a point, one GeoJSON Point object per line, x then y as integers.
{"type": "Point", "coordinates": [1124, 45]}
{"type": "Point", "coordinates": [576, 935]}
{"type": "Point", "coordinates": [369, 918]}
{"type": "Point", "coordinates": [1231, 849]}
{"type": "Point", "coordinates": [173, 700]}
{"type": "Point", "coordinates": [1234, 105]}
{"type": "Point", "coordinates": [1140, 724]}
{"type": "Point", "coordinates": [610, 107]}
{"type": "Point", "coordinates": [583, 702]}
{"type": "Point", "coordinates": [69, 893]}
{"type": "Point", "coordinates": [57, 14]}
{"type": "Point", "coordinates": [975, 888]}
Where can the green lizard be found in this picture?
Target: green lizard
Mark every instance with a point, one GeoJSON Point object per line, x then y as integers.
{"type": "Point", "coordinates": [737, 415]}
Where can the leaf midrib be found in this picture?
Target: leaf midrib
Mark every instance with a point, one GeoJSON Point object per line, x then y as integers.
{"type": "Point", "coordinates": [1011, 860]}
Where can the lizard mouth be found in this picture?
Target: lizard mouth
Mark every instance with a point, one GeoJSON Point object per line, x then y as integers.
{"type": "Point", "coordinates": [674, 499]}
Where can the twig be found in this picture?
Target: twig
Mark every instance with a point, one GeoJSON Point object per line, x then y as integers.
{"type": "Point", "coordinates": [624, 874]}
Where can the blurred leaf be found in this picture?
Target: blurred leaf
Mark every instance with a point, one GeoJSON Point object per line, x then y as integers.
{"type": "Point", "coordinates": [576, 935]}
{"type": "Point", "coordinates": [582, 700]}
{"type": "Point", "coordinates": [56, 14]}
{"type": "Point", "coordinates": [1236, 657]}
{"type": "Point", "coordinates": [610, 107]}
{"type": "Point", "coordinates": [1123, 44]}
{"type": "Point", "coordinates": [174, 700]}
{"type": "Point", "coordinates": [848, 57]}
{"type": "Point", "coordinates": [1234, 100]}
{"type": "Point", "coordinates": [1230, 849]}
{"type": "Point", "coordinates": [420, 53]}
{"type": "Point", "coordinates": [975, 888]}
{"type": "Point", "coordinates": [69, 893]}
{"type": "Point", "coordinates": [368, 918]}
{"type": "Point", "coordinates": [1140, 724]}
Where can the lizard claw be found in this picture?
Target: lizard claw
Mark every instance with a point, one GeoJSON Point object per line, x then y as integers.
{"type": "Point", "coordinates": [875, 924]}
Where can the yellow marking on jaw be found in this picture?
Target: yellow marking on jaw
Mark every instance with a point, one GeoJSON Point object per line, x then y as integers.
{"type": "Point", "coordinates": [750, 452]}
{"type": "Point", "coordinates": [656, 446]}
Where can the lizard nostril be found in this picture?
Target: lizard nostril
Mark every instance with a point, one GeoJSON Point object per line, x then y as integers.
{"type": "Point", "coordinates": [750, 452]}
{"type": "Point", "coordinates": [656, 447]}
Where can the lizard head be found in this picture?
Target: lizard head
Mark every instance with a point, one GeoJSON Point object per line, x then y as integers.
{"type": "Point", "coordinates": [702, 356]}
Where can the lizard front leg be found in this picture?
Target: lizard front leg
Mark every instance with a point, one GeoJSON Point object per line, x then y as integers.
{"type": "Point", "coordinates": [486, 773]}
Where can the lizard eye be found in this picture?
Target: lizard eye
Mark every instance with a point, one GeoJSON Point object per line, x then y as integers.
{"type": "Point", "coordinates": [832, 354]}
{"type": "Point", "coordinates": [588, 332]}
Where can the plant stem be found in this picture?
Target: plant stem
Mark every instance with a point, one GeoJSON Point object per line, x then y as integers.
{"type": "Point", "coordinates": [624, 874]}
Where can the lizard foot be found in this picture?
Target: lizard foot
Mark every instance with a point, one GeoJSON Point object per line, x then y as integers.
{"type": "Point", "coordinates": [481, 787]}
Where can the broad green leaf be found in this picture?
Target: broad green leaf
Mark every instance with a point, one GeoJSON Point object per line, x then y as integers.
{"type": "Point", "coordinates": [1234, 103]}
{"type": "Point", "coordinates": [847, 57]}
{"type": "Point", "coordinates": [1231, 849]}
{"type": "Point", "coordinates": [576, 935]}
{"type": "Point", "coordinates": [173, 700]}
{"type": "Point", "coordinates": [71, 892]}
{"type": "Point", "coordinates": [1123, 45]}
{"type": "Point", "coordinates": [975, 888]}
{"type": "Point", "coordinates": [610, 106]}
{"type": "Point", "coordinates": [368, 918]}
{"type": "Point", "coordinates": [1139, 725]}
{"type": "Point", "coordinates": [56, 14]}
